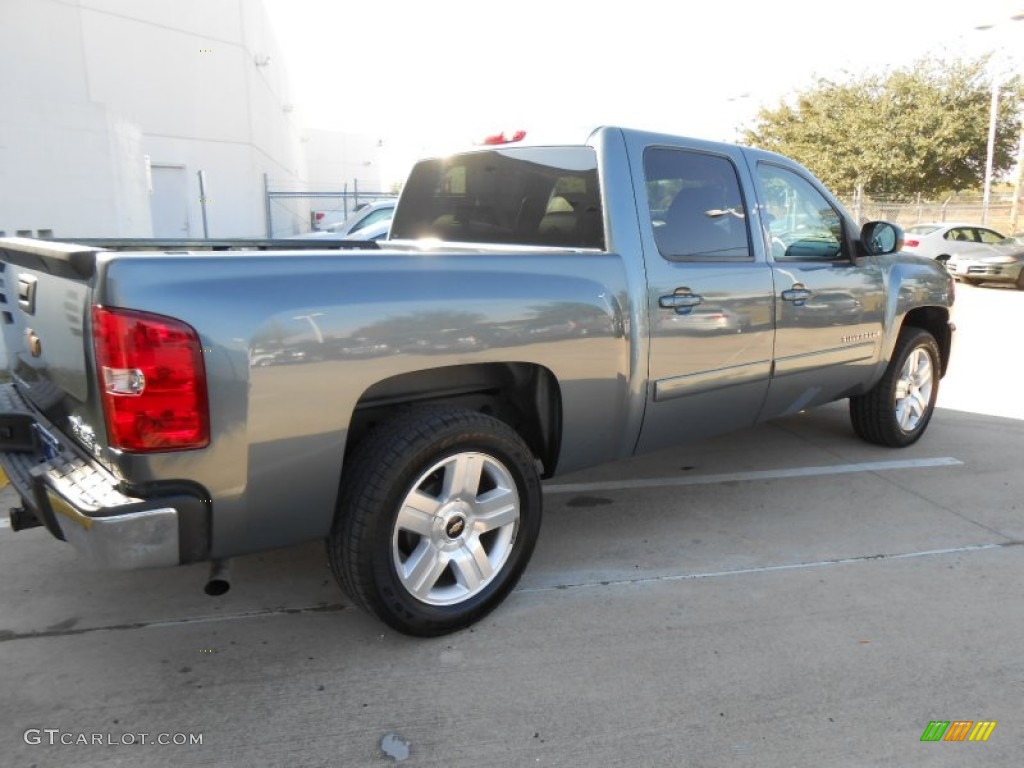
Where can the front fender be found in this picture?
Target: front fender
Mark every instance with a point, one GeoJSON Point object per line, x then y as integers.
{"type": "Point", "coordinates": [920, 293]}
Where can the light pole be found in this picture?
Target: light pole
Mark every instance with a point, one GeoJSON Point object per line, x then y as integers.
{"type": "Point", "coordinates": [990, 150]}
{"type": "Point", "coordinates": [993, 119]}
{"type": "Point", "coordinates": [736, 101]}
{"type": "Point", "coordinates": [1018, 182]}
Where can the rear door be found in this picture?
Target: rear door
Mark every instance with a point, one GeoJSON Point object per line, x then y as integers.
{"type": "Point", "coordinates": [709, 294]}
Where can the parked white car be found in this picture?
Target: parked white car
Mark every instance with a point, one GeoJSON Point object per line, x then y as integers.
{"type": "Point", "coordinates": [940, 240]}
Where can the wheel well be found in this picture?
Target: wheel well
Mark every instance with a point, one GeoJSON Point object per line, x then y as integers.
{"type": "Point", "coordinates": [523, 395]}
{"type": "Point", "coordinates": [935, 320]}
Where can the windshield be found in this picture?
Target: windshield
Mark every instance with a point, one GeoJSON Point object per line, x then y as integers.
{"type": "Point", "coordinates": [522, 196]}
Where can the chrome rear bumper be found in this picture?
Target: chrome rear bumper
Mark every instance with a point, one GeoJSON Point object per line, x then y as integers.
{"type": "Point", "coordinates": [80, 502]}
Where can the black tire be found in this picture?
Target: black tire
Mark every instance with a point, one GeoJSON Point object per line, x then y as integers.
{"type": "Point", "coordinates": [971, 280]}
{"type": "Point", "coordinates": [881, 415]}
{"type": "Point", "coordinates": [426, 449]}
{"type": "Point", "coordinates": [1020, 280]}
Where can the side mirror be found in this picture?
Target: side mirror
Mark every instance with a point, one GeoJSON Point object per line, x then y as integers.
{"type": "Point", "coordinates": [879, 238]}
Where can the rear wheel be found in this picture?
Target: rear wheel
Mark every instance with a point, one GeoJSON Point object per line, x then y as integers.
{"type": "Point", "coordinates": [439, 512]}
{"type": "Point", "coordinates": [897, 410]}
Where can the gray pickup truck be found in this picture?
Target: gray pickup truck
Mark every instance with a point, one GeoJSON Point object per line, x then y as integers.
{"type": "Point", "coordinates": [537, 310]}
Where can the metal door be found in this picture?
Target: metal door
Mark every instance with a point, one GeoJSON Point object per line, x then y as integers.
{"type": "Point", "coordinates": [169, 201]}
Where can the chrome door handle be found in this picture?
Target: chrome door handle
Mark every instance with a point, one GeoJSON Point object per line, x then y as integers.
{"type": "Point", "coordinates": [798, 294]}
{"type": "Point", "coordinates": [682, 301]}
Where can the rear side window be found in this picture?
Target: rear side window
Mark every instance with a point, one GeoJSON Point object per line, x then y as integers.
{"type": "Point", "coordinates": [521, 196]}
{"type": "Point", "coordinates": [962, 234]}
{"type": "Point", "coordinates": [696, 206]}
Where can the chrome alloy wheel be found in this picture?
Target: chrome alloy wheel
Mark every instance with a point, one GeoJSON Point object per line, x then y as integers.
{"type": "Point", "coordinates": [455, 528]}
{"type": "Point", "coordinates": [914, 389]}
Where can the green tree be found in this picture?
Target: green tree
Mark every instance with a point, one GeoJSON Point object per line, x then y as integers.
{"type": "Point", "coordinates": [923, 129]}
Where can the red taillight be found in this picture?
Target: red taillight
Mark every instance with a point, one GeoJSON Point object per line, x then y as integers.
{"type": "Point", "coordinates": [152, 379]}
{"type": "Point", "coordinates": [911, 243]}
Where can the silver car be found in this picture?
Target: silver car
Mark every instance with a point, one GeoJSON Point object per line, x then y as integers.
{"type": "Point", "coordinates": [366, 223]}
{"type": "Point", "coordinates": [940, 240]}
{"type": "Point", "coordinates": [1002, 262]}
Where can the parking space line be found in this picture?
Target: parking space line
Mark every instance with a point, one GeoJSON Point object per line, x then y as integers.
{"type": "Point", "coordinates": [770, 474]}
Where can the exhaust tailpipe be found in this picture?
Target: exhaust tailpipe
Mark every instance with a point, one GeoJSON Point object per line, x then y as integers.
{"type": "Point", "coordinates": [21, 519]}
{"type": "Point", "coordinates": [220, 578]}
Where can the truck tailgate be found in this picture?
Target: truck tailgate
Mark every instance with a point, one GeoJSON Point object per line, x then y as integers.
{"type": "Point", "coordinates": [45, 291]}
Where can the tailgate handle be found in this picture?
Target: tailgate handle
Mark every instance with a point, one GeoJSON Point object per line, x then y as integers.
{"type": "Point", "coordinates": [27, 294]}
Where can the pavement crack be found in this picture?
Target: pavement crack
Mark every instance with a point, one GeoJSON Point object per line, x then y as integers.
{"type": "Point", "coordinates": [59, 631]}
{"type": "Point", "coordinates": [894, 481]}
{"type": "Point", "coordinates": [769, 568]}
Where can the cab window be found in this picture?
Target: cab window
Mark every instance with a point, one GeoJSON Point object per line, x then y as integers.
{"type": "Point", "coordinates": [696, 206]}
{"type": "Point", "coordinates": [546, 196]}
{"type": "Point", "coordinates": [802, 225]}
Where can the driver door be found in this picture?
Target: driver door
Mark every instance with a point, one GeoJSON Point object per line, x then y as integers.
{"type": "Point", "coordinates": [829, 304]}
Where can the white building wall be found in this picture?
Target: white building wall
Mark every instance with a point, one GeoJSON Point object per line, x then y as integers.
{"type": "Point", "coordinates": [90, 89]}
{"type": "Point", "coordinates": [71, 168]}
{"type": "Point", "coordinates": [336, 159]}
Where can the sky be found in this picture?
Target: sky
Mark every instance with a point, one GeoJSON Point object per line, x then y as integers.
{"type": "Point", "coordinates": [419, 73]}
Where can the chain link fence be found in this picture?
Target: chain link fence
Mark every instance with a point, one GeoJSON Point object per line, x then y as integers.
{"type": "Point", "coordinates": [966, 208]}
{"type": "Point", "coordinates": [297, 212]}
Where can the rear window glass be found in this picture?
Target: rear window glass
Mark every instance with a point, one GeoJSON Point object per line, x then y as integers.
{"type": "Point", "coordinates": [521, 196]}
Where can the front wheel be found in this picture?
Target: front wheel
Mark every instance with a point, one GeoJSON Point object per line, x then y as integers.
{"type": "Point", "coordinates": [897, 410]}
{"type": "Point", "coordinates": [439, 512]}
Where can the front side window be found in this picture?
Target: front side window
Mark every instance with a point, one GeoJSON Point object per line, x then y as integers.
{"type": "Point", "coordinates": [696, 206]}
{"type": "Point", "coordinates": [802, 224]}
{"type": "Point", "coordinates": [546, 196]}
